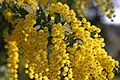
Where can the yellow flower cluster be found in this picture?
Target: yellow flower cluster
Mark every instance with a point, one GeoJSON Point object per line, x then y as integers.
{"type": "Point", "coordinates": [81, 5]}
{"type": "Point", "coordinates": [32, 43]}
{"type": "Point", "coordinates": [77, 26]}
{"type": "Point", "coordinates": [7, 1]}
{"type": "Point", "coordinates": [34, 49]}
{"type": "Point", "coordinates": [32, 3]}
{"type": "Point", "coordinates": [53, 59]}
{"type": "Point", "coordinates": [8, 15]}
{"type": "Point", "coordinates": [63, 10]}
{"type": "Point", "coordinates": [13, 60]}
{"type": "Point", "coordinates": [106, 7]}
{"type": "Point", "coordinates": [59, 59]}
{"type": "Point", "coordinates": [58, 49]}
{"type": "Point", "coordinates": [90, 60]}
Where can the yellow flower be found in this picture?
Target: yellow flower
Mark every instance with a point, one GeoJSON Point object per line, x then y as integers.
{"type": "Point", "coordinates": [66, 69]}
{"type": "Point", "coordinates": [13, 57]}
{"type": "Point", "coordinates": [8, 14]}
{"type": "Point", "coordinates": [36, 76]}
{"type": "Point", "coordinates": [32, 3]}
{"type": "Point", "coordinates": [26, 71]}
{"type": "Point", "coordinates": [84, 20]}
{"type": "Point", "coordinates": [31, 76]}
{"type": "Point", "coordinates": [111, 75]}
{"type": "Point", "coordinates": [66, 78]}
{"type": "Point", "coordinates": [64, 73]}
{"type": "Point", "coordinates": [26, 65]}
{"type": "Point", "coordinates": [45, 78]}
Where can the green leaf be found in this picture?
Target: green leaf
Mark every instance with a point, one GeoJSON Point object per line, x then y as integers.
{"type": "Point", "coordinates": [57, 18]}
{"type": "Point", "coordinates": [6, 30]}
